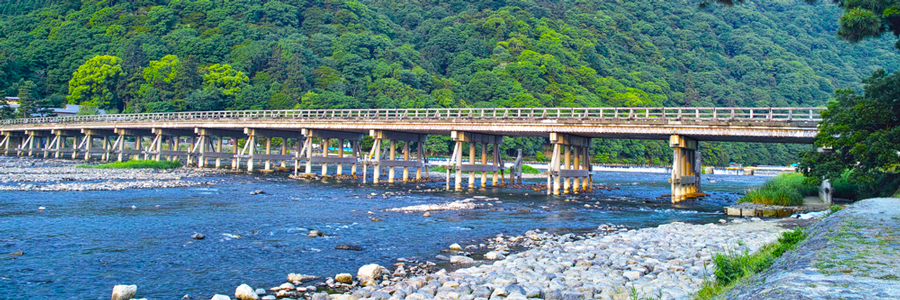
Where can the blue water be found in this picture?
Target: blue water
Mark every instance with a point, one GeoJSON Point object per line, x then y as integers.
{"type": "Point", "coordinates": [83, 243]}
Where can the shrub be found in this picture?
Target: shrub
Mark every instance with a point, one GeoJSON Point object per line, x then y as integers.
{"type": "Point", "coordinates": [785, 189]}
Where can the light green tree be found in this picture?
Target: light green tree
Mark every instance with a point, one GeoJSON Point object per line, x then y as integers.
{"type": "Point", "coordinates": [93, 83]}
{"type": "Point", "coordinates": [225, 78]}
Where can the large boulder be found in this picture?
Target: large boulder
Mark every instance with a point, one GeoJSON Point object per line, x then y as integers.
{"type": "Point", "coordinates": [370, 272]}
{"type": "Point", "coordinates": [344, 278]}
{"type": "Point", "coordinates": [461, 260]}
{"type": "Point", "coordinates": [124, 292]}
{"type": "Point", "coordinates": [494, 255]}
{"type": "Point", "coordinates": [245, 292]}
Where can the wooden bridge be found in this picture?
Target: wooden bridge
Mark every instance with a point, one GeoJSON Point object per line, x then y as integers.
{"type": "Point", "coordinates": [244, 139]}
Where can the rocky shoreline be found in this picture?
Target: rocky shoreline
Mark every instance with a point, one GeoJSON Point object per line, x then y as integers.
{"type": "Point", "coordinates": [32, 174]}
{"type": "Point", "coordinates": [670, 261]}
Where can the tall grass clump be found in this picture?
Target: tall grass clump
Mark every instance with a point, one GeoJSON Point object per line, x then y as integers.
{"type": "Point", "coordinates": [733, 267]}
{"type": "Point", "coordinates": [785, 189]}
{"type": "Point", "coordinates": [137, 164]}
{"type": "Point", "coordinates": [526, 169]}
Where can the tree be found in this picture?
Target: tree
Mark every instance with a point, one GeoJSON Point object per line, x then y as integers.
{"type": "Point", "coordinates": [93, 84]}
{"type": "Point", "coordinates": [861, 19]}
{"type": "Point", "coordinates": [862, 133]}
{"type": "Point", "coordinates": [224, 78]}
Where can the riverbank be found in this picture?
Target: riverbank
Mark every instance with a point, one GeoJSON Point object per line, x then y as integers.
{"type": "Point", "coordinates": [669, 261]}
{"type": "Point", "coordinates": [851, 254]}
{"type": "Point", "coordinates": [42, 174]}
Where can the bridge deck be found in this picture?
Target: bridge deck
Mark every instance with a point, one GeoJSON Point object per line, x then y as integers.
{"type": "Point", "coordinates": [778, 125]}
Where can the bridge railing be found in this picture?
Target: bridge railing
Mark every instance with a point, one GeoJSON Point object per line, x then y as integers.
{"type": "Point", "coordinates": [786, 114]}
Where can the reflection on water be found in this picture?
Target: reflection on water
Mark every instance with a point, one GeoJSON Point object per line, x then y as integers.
{"type": "Point", "coordinates": [83, 243]}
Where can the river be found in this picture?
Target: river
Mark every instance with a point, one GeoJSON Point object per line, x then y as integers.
{"type": "Point", "coordinates": [83, 243]}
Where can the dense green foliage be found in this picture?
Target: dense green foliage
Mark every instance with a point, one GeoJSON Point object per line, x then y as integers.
{"type": "Point", "coordinates": [172, 55]}
{"type": "Point", "coordinates": [733, 267]}
{"type": "Point", "coordinates": [784, 189]}
{"type": "Point", "coordinates": [861, 19]}
{"type": "Point", "coordinates": [137, 164]}
{"type": "Point", "coordinates": [862, 138]}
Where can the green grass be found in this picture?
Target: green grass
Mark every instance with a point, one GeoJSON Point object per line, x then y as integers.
{"type": "Point", "coordinates": [785, 189]}
{"type": "Point", "coordinates": [439, 169]}
{"type": "Point", "coordinates": [526, 169]}
{"type": "Point", "coordinates": [731, 268]}
{"type": "Point", "coordinates": [136, 164]}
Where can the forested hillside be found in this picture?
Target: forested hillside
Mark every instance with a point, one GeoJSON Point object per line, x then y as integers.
{"type": "Point", "coordinates": [160, 55]}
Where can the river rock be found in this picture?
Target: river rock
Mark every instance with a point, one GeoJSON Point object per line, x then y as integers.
{"type": "Point", "coordinates": [368, 273]}
{"type": "Point", "coordinates": [426, 214]}
{"type": "Point", "coordinates": [269, 297]}
{"type": "Point", "coordinates": [494, 255]}
{"type": "Point", "coordinates": [348, 247]}
{"type": "Point", "coordinates": [315, 233]}
{"type": "Point", "coordinates": [257, 192]}
{"type": "Point", "coordinates": [459, 259]}
{"type": "Point", "coordinates": [198, 236]}
{"type": "Point", "coordinates": [296, 278]}
{"type": "Point", "coordinates": [321, 296]}
{"type": "Point", "coordinates": [632, 275]}
{"type": "Point", "coordinates": [286, 286]}
{"type": "Point", "coordinates": [456, 247]}
{"type": "Point", "coordinates": [124, 292]}
{"type": "Point", "coordinates": [220, 297]}
{"type": "Point", "coordinates": [260, 292]}
{"type": "Point", "coordinates": [245, 292]}
{"type": "Point", "coordinates": [344, 278]}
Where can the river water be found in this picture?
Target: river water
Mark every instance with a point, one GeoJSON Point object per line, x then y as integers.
{"type": "Point", "coordinates": [84, 243]}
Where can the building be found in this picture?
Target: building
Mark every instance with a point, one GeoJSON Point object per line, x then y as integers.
{"type": "Point", "coordinates": [69, 110]}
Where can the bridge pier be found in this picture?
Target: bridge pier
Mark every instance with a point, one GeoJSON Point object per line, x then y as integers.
{"type": "Point", "coordinates": [12, 140]}
{"type": "Point", "coordinates": [250, 147]}
{"type": "Point", "coordinates": [123, 134]}
{"type": "Point", "coordinates": [408, 139]}
{"type": "Point", "coordinates": [473, 139]}
{"type": "Point", "coordinates": [36, 141]}
{"type": "Point", "coordinates": [570, 164]}
{"type": "Point", "coordinates": [685, 178]}
{"type": "Point", "coordinates": [341, 159]}
{"type": "Point", "coordinates": [174, 142]}
{"type": "Point", "coordinates": [210, 145]}
{"type": "Point", "coordinates": [88, 143]}
{"type": "Point", "coordinates": [60, 139]}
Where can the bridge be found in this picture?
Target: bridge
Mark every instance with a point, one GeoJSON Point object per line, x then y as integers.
{"type": "Point", "coordinates": [198, 138]}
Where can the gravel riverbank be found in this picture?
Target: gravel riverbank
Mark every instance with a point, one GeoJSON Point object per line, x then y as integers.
{"type": "Point", "coordinates": [41, 174]}
{"type": "Point", "coordinates": [670, 261]}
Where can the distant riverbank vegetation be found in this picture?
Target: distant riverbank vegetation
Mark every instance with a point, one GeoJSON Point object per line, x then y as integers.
{"type": "Point", "coordinates": [137, 164]}
{"type": "Point", "coordinates": [162, 56]}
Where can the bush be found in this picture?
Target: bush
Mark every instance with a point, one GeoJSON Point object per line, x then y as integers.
{"type": "Point", "coordinates": [732, 267]}
{"type": "Point", "coordinates": [137, 164]}
{"type": "Point", "coordinates": [785, 189]}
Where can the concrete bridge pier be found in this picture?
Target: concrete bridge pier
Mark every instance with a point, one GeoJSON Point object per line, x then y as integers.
{"type": "Point", "coordinates": [11, 141]}
{"type": "Point", "coordinates": [570, 164]}
{"type": "Point", "coordinates": [87, 144]}
{"type": "Point", "coordinates": [685, 178]}
{"type": "Point", "coordinates": [487, 141]}
{"type": "Point", "coordinates": [119, 147]}
{"type": "Point", "coordinates": [325, 136]}
{"type": "Point", "coordinates": [250, 147]}
{"type": "Point", "coordinates": [210, 145]}
{"type": "Point", "coordinates": [408, 139]}
{"type": "Point", "coordinates": [35, 141]}
{"type": "Point", "coordinates": [172, 137]}
{"type": "Point", "coordinates": [60, 139]}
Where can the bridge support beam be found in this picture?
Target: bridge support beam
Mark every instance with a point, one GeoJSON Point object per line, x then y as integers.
{"type": "Point", "coordinates": [120, 148]}
{"type": "Point", "coordinates": [11, 142]}
{"type": "Point", "coordinates": [209, 145]}
{"type": "Point", "coordinates": [173, 136]}
{"type": "Point", "coordinates": [570, 164]}
{"type": "Point", "coordinates": [325, 136]}
{"type": "Point", "coordinates": [473, 139]}
{"type": "Point", "coordinates": [685, 178]}
{"type": "Point", "coordinates": [250, 147]}
{"type": "Point", "coordinates": [61, 138]}
{"type": "Point", "coordinates": [384, 137]}
{"type": "Point", "coordinates": [87, 143]}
